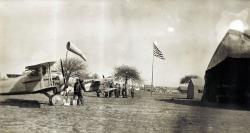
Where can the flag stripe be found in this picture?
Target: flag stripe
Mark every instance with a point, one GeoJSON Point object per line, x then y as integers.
{"type": "Point", "coordinates": [158, 53]}
{"type": "Point", "coordinates": [156, 49]}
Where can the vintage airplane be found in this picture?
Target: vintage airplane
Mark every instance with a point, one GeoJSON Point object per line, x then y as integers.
{"type": "Point", "coordinates": [100, 86]}
{"type": "Point", "coordinates": [39, 79]}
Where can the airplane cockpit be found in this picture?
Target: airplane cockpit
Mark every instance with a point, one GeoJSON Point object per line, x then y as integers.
{"type": "Point", "coordinates": [37, 71]}
{"type": "Point", "coordinates": [39, 76]}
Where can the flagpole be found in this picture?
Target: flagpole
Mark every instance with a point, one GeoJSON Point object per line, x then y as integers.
{"type": "Point", "coordinates": [157, 53]}
{"type": "Point", "coordinates": [152, 78]}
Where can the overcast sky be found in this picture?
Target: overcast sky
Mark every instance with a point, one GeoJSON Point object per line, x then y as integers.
{"type": "Point", "coordinates": [115, 32]}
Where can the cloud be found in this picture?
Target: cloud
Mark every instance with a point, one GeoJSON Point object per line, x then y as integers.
{"type": "Point", "coordinates": [235, 20]}
{"type": "Point", "coordinates": [171, 29]}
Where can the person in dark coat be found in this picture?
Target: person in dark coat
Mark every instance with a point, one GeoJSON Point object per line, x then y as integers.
{"type": "Point", "coordinates": [76, 87]}
{"type": "Point", "coordinates": [111, 86]}
{"type": "Point", "coordinates": [81, 92]}
{"type": "Point", "coordinates": [132, 92]}
{"type": "Point", "coordinates": [78, 91]}
{"type": "Point", "coordinates": [115, 90]}
{"type": "Point", "coordinates": [123, 91]}
{"type": "Point", "coordinates": [119, 90]}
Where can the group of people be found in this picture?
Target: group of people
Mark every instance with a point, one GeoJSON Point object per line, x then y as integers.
{"type": "Point", "coordinates": [79, 90]}
{"type": "Point", "coordinates": [121, 91]}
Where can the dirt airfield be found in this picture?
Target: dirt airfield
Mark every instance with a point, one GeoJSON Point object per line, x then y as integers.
{"type": "Point", "coordinates": [144, 114]}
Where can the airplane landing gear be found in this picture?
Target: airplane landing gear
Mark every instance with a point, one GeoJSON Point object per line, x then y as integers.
{"type": "Point", "coordinates": [55, 100]}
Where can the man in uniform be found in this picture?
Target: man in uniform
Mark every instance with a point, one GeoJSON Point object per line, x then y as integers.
{"type": "Point", "coordinates": [123, 91]}
{"type": "Point", "coordinates": [82, 90]}
{"type": "Point", "coordinates": [78, 91]}
{"type": "Point", "coordinates": [132, 91]}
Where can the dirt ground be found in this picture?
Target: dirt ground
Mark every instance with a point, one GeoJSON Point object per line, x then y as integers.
{"type": "Point", "coordinates": [144, 114]}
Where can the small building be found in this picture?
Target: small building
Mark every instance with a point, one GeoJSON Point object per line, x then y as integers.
{"type": "Point", "coordinates": [194, 88]}
{"type": "Point", "coordinates": [190, 90]}
{"type": "Point", "coordinates": [147, 87]}
{"type": "Point", "coordinates": [183, 88]}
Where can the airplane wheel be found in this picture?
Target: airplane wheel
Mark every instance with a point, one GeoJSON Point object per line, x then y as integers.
{"type": "Point", "coordinates": [56, 100]}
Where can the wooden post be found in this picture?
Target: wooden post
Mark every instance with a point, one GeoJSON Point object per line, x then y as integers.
{"type": "Point", "coordinates": [64, 80]}
{"type": "Point", "coordinates": [41, 76]}
{"type": "Point", "coordinates": [48, 72]}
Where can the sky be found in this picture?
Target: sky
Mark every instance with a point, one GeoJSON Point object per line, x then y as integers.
{"type": "Point", "coordinates": [116, 32]}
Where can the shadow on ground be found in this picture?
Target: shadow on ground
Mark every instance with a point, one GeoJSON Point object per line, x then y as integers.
{"type": "Point", "coordinates": [188, 102]}
{"type": "Point", "coordinates": [21, 103]}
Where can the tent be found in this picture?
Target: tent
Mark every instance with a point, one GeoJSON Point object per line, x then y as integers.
{"type": "Point", "coordinates": [227, 78]}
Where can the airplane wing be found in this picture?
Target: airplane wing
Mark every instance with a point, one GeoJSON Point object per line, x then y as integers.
{"type": "Point", "coordinates": [109, 89]}
{"type": "Point", "coordinates": [42, 90]}
{"type": "Point", "coordinates": [46, 89]}
{"type": "Point", "coordinates": [46, 64]}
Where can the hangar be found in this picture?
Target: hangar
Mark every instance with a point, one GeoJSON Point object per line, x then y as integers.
{"type": "Point", "coordinates": [227, 78]}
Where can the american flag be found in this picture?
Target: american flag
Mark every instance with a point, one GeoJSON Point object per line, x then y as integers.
{"type": "Point", "coordinates": [157, 52]}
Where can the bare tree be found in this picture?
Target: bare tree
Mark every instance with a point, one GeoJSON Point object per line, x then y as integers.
{"type": "Point", "coordinates": [126, 73]}
{"type": "Point", "coordinates": [73, 67]}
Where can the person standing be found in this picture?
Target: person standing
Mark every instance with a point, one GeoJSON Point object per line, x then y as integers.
{"type": "Point", "coordinates": [78, 91]}
{"type": "Point", "coordinates": [110, 92]}
{"type": "Point", "coordinates": [123, 91]}
{"type": "Point", "coordinates": [118, 90]}
{"type": "Point", "coordinates": [76, 87]}
{"type": "Point", "coordinates": [115, 90]}
{"type": "Point", "coordinates": [81, 92]}
{"type": "Point", "coordinates": [132, 91]}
